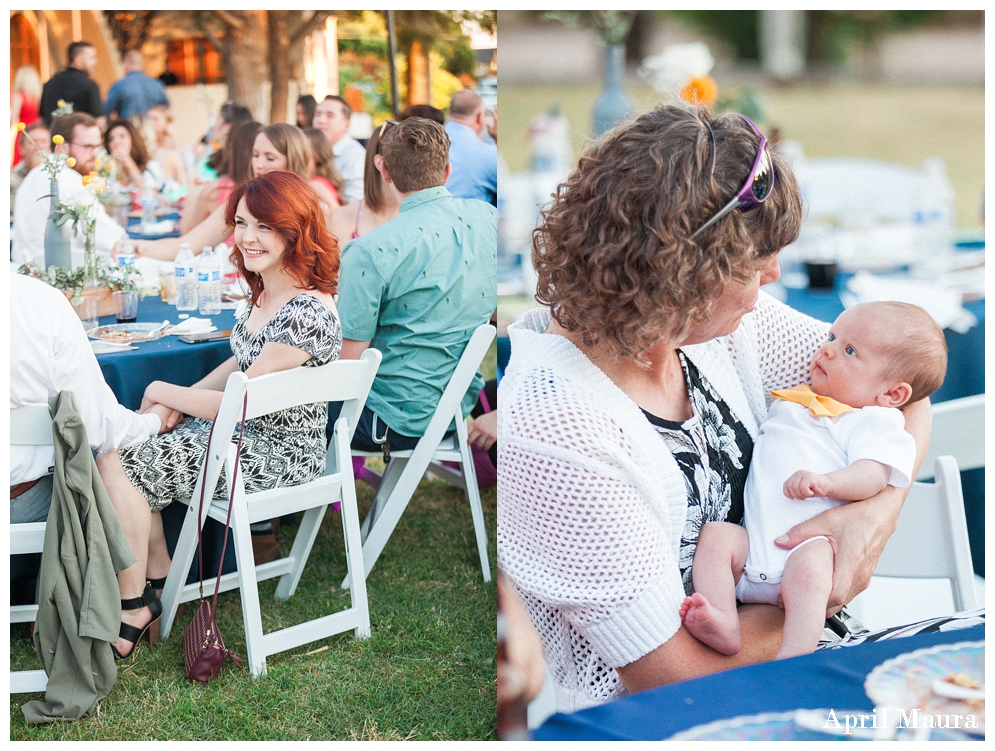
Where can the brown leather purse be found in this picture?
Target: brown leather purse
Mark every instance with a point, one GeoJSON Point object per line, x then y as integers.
{"type": "Point", "coordinates": [204, 649]}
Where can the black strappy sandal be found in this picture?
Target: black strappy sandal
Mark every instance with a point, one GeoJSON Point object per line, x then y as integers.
{"type": "Point", "coordinates": [134, 634]}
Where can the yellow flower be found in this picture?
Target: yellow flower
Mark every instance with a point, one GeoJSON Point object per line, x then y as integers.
{"type": "Point", "coordinates": [87, 179]}
{"type": "Point", "coordinates": [97, 164]}
{"type": "Point", "coordinates": [61, 103]}
{"type": "Point", "coordinates": [700, 90]}
{"type": "Point", "coordinates": [21, 126]}
{"type": "Point", "coordinates": [70, 162]}
{"type": "Point", "coordinates": [57, 139]}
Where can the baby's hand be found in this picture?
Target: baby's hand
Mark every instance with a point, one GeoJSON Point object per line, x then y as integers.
{"type": "Point", "coordinates": [803, 484]}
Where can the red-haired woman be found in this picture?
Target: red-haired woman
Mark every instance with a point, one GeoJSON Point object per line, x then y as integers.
{"type": "Point", "coordinates": [291, 263]}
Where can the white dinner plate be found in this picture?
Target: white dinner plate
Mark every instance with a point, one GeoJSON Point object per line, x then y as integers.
{"type": "Point", "coordinates": [126, 333]}
{"type": "Point", "coordinates": [905, 682]}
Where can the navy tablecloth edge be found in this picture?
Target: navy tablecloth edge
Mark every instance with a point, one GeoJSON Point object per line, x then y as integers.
{"type": "Point", "coordinates": [828, 679]}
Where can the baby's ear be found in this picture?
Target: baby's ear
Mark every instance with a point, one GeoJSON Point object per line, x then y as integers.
{"type": "Point", "coordinates": [896, 396]}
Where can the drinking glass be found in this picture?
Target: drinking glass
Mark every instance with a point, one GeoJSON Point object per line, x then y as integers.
{"type": "Point", "coordinates": [126, 305]}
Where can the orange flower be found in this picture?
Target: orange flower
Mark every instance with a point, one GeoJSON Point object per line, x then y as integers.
{"type": "Point", "coordinates": [215, 145]}
{"type": "Point", "coordinates": [700, 90]}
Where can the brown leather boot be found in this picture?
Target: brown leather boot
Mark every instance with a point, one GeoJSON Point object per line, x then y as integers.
{"type": "Point", "coordinates": [265, 548]}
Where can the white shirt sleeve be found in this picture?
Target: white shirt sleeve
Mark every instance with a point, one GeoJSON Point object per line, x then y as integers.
{"type": "Point", "coordinates": [109, 426]}
{"type": "Point", "coordinates": [878, 433]}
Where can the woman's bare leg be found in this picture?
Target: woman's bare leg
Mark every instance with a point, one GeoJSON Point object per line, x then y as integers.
{"type": "Point", "coordinates": [136, 521]}
{"type": "Point", "coordinates": [157, 566]}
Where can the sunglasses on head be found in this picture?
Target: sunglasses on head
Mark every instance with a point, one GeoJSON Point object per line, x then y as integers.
{"type": "Point", "coordinates": [384, 127]}
{"type": "Point", "coordinates": [758, 186]}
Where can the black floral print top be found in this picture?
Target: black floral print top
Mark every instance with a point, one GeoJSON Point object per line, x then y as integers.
{"type": "Point", "coordinates": [713, 450]}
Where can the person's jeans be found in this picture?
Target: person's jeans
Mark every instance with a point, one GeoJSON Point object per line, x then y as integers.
{"type": "Point", "coordinates": [370, 425]}
{"type": "Point", "coordinates": [32, 505]}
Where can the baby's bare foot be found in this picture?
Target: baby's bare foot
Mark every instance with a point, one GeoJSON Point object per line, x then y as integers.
{"type": "Point", "coordinates": [711, 626]}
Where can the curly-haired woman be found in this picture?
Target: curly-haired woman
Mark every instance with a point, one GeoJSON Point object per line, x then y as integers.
{"type": "Point", "coordinates": [630, 404]}
{"type": "Point", "coordinates": [291, 264]}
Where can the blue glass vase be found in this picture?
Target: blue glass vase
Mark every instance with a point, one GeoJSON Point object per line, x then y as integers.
{"type": "Point", "coordinates": [58, 240]}
{"type": "Point", "coordinates": [614, 104]}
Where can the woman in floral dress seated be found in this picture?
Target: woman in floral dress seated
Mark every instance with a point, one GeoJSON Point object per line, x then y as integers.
{"type": "Point", "coordinates": [291, 264]}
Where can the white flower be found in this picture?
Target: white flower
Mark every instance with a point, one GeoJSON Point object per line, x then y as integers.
{"type": "Point", "coordinates": [671, 69]}
{"type": "Point", "coordinates": [81, 199]}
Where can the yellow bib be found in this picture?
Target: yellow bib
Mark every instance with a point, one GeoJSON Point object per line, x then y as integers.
{"type": "Point", "coordinates": [821, 406]}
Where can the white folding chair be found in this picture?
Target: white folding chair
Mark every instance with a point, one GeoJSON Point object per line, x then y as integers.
{"type": "Point", "coordinates": [30, 425]}
{"type": "Point", "coordinates": [346, 381]}
{"type": "Point", "coordinates": [406, 468]}
{"type": "Point", "coordinates": [925, 570]}
{"type": "Point", "coordinates": [958, 431]}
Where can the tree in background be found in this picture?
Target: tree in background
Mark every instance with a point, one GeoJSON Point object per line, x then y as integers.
{"type": "Point", "coordinates": [267, 45]}
{"type": "Point", "coordinates": [421, 31]}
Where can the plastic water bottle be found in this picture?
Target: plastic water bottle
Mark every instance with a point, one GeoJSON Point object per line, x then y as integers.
{"type": "Point", "coordinates": [935, 212]}
{"type": "Point", "coordinates": [209, 283]}
{"type": "Point", "coordinates": [125, 251]}
{"type": "Point", "coordinates": [149, 218]}
{"type": "Point", "coordinates": [185, 273]}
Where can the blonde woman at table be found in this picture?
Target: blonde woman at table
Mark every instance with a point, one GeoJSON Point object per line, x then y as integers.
{"type": "Point", "coordinates": [377, 205]}
{"type": "Point", "coordinates": [630, 405]}
{"type": "Point", "coordinates": [291, 263]}
{"type": "Point", "coordinates": [293, 154]}
{"type": "Point", "coordinates": [285, 147]}
{"type": "Point", "coordinates": [165, 147]}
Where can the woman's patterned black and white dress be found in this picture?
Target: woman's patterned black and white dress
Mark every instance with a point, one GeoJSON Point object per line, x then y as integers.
{"type": "Point", "coordinates": [713, 450]}
{"type": "Point", "coordinates": [283, 448]}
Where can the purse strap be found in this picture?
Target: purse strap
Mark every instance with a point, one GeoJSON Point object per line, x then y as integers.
{"type": "Point", "coordinates": [231, 503]}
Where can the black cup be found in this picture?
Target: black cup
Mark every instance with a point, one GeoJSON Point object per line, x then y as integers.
{"type": "Point", "coordinates": [821, 274]}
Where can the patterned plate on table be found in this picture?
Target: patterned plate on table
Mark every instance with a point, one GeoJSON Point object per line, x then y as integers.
{"type": "Point", "coordinates": [802, 725]}
{"type": "Point", "coordinates": [125, 333]}
{"type": "Point", "coordinates": [906, 683]}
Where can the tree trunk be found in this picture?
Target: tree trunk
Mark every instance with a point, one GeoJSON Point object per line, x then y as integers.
{"type": "Point", "coordinates": [418, 91]}
{"type": "Point", "coordinates": [279, 65]}
{"type": "Point", "coordinates": [244, 48]}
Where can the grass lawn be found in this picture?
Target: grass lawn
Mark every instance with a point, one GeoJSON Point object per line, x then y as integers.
{"type": "Point", "coordinates": [904, 124]}
{"type": "Point", "coordinates": [427, 673]}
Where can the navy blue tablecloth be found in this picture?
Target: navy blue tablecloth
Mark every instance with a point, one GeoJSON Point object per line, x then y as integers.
{"type": "Point", "coordinates": [832, 678]}
{"type": "Point", "coordinates": [135, 224]}
{"type": "Point", "coordinates": [166, 359]}
{"type": "Point", "coordinates": [965, 377]}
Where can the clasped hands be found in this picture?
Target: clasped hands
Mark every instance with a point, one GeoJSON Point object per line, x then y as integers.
{"type": "Point", "coordinates": [168, 417]}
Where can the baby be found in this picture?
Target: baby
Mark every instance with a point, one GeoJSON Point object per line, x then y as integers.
{"type": "Point", "coordinates": [842, 440]}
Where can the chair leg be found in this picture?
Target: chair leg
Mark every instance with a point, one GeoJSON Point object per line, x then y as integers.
{"type": "Point", "coordinates": [387, 484]}
{"type": "Point", "coordinates": [307, 531]}
{"type": "Point", "coordinates": [476, 508]}
{"type": "Point", "coordinates": [354, 553]}
{"type": "Point", "coordinates": [186, 548]}
{"type": "Point", "coordinates": [247, 584]}
{"type": "Point", "coordinates": [390, 513]}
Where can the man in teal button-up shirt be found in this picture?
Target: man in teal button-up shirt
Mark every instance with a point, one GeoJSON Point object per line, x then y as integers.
{"type": "Point", "coordinates": [417, 287]}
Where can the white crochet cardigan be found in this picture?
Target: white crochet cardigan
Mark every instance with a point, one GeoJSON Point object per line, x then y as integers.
{"type": "Point", "coordinates": [591, 505]}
